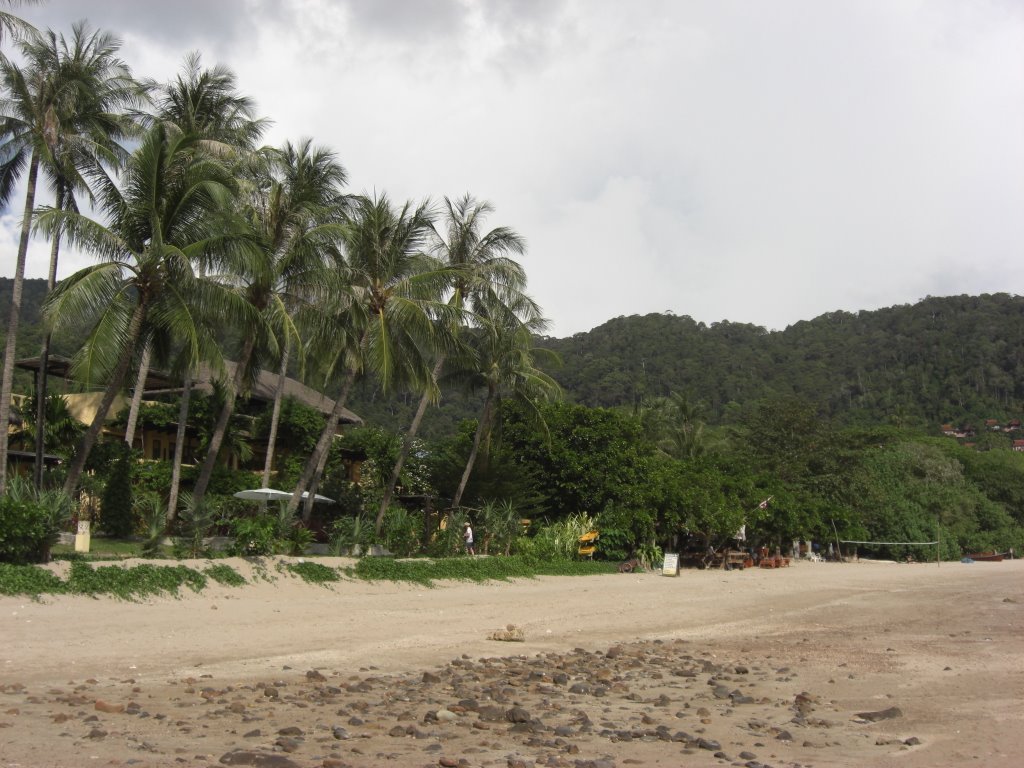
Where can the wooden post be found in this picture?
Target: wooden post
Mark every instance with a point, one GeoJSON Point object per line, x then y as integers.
{"type": "Point", "coordinates": [839, 550]}
{"type": "Point", "coordinates": [938, 544]}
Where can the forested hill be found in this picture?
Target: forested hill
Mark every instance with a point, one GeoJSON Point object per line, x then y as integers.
{"type": "Point", "coordinates": [951, 359]}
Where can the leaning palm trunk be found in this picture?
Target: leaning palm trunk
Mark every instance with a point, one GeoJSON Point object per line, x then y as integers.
{"type": "Point", "coordinates": [481, 430]}
{"type": "Point", "coordinates": [307, 507]}
{"type": "Point", "coordinates": [221, 428]}
{"type": "Point", "coordinates": [179, 449]}
{"type": "Point", "coordinates": [7, 382]}
{"type": "Point", "coordinates": [275, 416]}
{"type": "Point", "coordinates": [318, 459]}
{"type": "Point", "coordinates": [403, 454]}
{"type": "Point", "coordinates": [113, 387]}
{"type": "Point", "coordinates": [44, 359]}
{"type": "Point", "coordinates": [140, 385]}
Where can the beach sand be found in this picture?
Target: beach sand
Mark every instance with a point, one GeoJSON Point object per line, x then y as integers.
{"type": "Point", "coordinates": [818, 664]}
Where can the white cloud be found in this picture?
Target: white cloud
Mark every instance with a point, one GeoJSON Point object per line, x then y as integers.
{"type": "Point", "coordinates": [757, 162]}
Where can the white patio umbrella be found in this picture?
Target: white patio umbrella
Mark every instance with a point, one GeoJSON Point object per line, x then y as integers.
{"type": "Point", "coordinates": [272, 494]}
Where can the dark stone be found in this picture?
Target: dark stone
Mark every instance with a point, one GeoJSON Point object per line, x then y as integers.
{"type": "Point", "coordinates": [287, 743]}
{"type": "Point", "coordinates": [784, 736]}
{"type": "Point", "coordinates": [340, 733]}
{"type": "Point", "coordinates": [257, 759]}
{"type": "Point", "coordinates": [709, 744]}
{"type": "Point", "coordinates": [518, 715]}
{"type": "Point", "coordinates": [883, 714]}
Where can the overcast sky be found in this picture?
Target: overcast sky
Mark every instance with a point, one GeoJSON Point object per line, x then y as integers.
{"type": "Point", "coordinates": [761, 162]}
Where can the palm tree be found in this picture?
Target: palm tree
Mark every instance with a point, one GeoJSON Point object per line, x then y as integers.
{"type": "Point", "coordinates": [168, 215]}
{"type": "Point", "coordinates": [507, 365]}
{"type": "Point", "coordinates": [293, 207]}
{"type": "Point", "coordinates": [100, 88]}
{"type": "Point", "coordinates": [488, 283]}
{"type": "Point", "coordinates": [53, 117]}
{"type": "Point", "coordinates": [204, 102]}
{"type": "Point", "coordinates": [381, 316]}
{"type": "Point", "coordinates": [11, 24]}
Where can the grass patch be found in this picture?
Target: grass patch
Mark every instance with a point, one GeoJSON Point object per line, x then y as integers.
{"type": "Point", "coordinates": [131, 583]}
{"type": "Point", "coordinates": [100, 548]}
{"type": "Point", "coordinates": [226, 575]}
{"type": "Point", "coordinates": [477, 569]}
{"type": "Point", "coordinates": [313, 573]}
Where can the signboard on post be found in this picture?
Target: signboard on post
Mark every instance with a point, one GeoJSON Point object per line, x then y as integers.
{"type": "Point", "coordinates": [671, 565]}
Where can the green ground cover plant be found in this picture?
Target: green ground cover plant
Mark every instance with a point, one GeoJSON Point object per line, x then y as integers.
{"type": "Point", "coordinates": [313, 573]}
{"type": "Point", "coordinates": [226, 575]}
{"type": "Point", "coordinates": [146, 580]}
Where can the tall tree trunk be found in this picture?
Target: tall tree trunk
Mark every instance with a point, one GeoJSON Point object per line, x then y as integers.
{"type": "Point", "coordinates": [403, 454]}
{"type": "Point", "coordinates": [481, 430]}
{"type": "Point", "coordinates": [221, 427]}
{"type": "Point", "coordinates": [179, 449]}
{"type": "Point", "coordinates": [275, 417]}
{"type": "Point", "coordinates": [310, 500]}
{"type": "Point", "coordinates": [87, 441]}
{"type": "Point", "coordinates": [140, 386]}
{"type": "Point", "coordinates": [7, 381]}
{"type": "Point", "coordinates": [317, 459]}
{"type": "Point", "coordinates": [44, 356]}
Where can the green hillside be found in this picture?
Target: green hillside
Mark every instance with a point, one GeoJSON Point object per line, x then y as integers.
{"type": "Point", "coordinates": [956, 359]}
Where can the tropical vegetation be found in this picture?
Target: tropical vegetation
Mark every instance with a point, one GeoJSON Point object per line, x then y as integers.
{"type": "Point", "coordinates": [214, 253]}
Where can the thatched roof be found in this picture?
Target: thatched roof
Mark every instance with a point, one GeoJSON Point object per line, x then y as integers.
{"type": "Point", "coordinates": [265, 386]}
{"type": "Point", "coordinates": [159, 382]}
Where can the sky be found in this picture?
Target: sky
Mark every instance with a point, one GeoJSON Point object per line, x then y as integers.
{"type": "Point", "coordinates": [758, 162]}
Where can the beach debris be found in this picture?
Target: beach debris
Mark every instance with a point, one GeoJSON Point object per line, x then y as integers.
{"type": "Point", "coordinates": [883, 714]}
{"type": "Point", "coordinates": [510, 634]}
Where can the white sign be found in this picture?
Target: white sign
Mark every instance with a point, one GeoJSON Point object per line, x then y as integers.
{"type": "Point", "coordinates": [671, 565]}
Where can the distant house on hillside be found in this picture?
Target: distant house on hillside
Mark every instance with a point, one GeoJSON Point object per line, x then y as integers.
{"type": "Point", "coordinates": [1018, 445]}
{"type": "Point", "coordinates": [158, 442]}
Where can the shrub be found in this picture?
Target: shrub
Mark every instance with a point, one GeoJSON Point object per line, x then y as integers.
{"type": "Point", "coordinates": [351, 534]}
{"type": "Point", "coordinates": [255, 536]}
{"type": "Point", "coordinates": [30, 521]}
{"type": "Point", "coordinates": [402, 531]}
{"type": "Point", "coordinates": [116, 517]}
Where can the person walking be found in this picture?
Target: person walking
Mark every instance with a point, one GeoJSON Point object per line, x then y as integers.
{"type": "Point", "coordinates": [467, 537]}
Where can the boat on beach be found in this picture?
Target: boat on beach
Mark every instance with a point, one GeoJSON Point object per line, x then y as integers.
{"type": "Point", "coordinates": [988, 557]}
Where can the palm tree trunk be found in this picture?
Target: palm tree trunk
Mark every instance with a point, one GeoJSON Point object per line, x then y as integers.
{"type": "Point", "coordinates": [307, 508]}
{"type": "Point", "coordinates": [403, 454]}
{"type": "Point", "coordinates": [10, 352]}
{"type": "Point", "coordinates": [44, 357]}
{"type": "Point", "coordinates": [140, 386]}
{"type": "Point", "coordinates": [113, 387]}
{"type": "Point", "coordinates": [317, 459]}
{"type": "Point", "coordinates": [481, 430]}
{"type": "Point", "coordinates": [179, 449]}
{"type": "Point", "coordinates": [221, 427]}
{"type": "Point", "coordinates": [275, 417]}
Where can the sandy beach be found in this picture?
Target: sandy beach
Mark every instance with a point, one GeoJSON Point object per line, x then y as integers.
{"type": "Point", "coordinates": [819, 664]}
